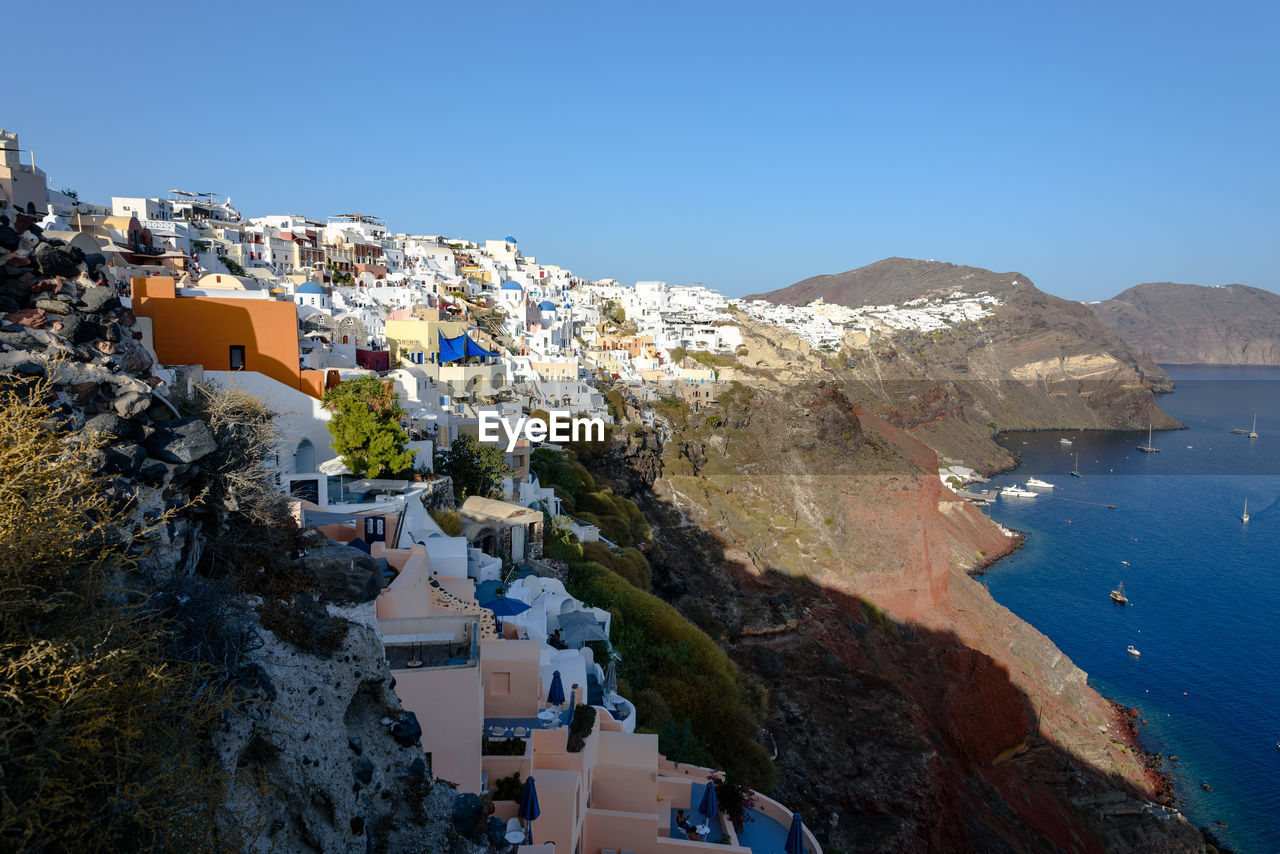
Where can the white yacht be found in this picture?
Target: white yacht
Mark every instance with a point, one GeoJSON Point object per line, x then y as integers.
{"type": "Point", "coordinates": [1012, 491]}
{"type": "Point", "coordinates": [1037, 483]}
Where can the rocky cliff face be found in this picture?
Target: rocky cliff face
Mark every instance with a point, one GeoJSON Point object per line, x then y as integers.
{"type": "Point", "coordinates": [1191, 324]}
{"type": "Point", "coordinates": [805, 520]}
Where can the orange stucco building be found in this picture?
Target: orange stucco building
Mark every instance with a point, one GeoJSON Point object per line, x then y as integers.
{"type": "Point", "coordinates": [226, 334]}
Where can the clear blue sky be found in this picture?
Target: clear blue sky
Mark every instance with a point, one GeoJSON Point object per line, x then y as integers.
{"type": "Point", "coordinates": [1090, 146]}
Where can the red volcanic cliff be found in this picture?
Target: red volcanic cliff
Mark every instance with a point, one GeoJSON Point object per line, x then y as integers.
{"type": "Point", "coordinates": [912, 711]}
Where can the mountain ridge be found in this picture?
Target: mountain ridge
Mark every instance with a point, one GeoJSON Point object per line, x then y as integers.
{"type": "Point", "coordinates": [1186, 324]}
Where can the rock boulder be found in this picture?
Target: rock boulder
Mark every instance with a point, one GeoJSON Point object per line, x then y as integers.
{"type": "Point", "coordinates": [183, 441]}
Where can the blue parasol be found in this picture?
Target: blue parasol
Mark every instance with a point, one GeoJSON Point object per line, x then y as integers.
{"type": "Point", "coordinates": [529, 809]}
{"type": "Point", "coordinates": [710, 806]}
{"type": "Point", "coordinates": [555, 694]}
{"type": "Point", "coordinates": [795, 836]}
{"type": "Point", "coordinates": [504, 607]}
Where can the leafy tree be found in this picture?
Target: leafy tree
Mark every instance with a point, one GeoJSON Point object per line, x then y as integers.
{"type": "Point", "coordinates": [476, 468]}
{"type": "Point", "coordinates": [366, 427]}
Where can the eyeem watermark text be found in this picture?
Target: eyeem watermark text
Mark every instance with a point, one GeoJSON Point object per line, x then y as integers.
{"type": "Point", "coordinates": [559, 426]}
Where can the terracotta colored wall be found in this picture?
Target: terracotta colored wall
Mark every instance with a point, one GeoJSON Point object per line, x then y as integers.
{"type": "Point", "coordinates": [447, 703]}
{"type": "Point", "coordinates": [201, 331]}
{"type": "Point", "coordinates": [520, 660]}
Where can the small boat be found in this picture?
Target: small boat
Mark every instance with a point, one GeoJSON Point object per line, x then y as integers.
{"type": "Point", "coordinates": [1252, 432]}
{"type": "Point", "coordinates": [1075, 472]}
{"type": "Point", "coordinates": [1064, 441]}
{"type": "Point", "coordinates": [1244, 517]}
{"type": "Point", "coordinates": [1118, 596]}
{"type": "Point", "coordinates": [1126, 563]}
{"type": "Point", "coordinates": [1132, 650]}
{"type": "Point", "coordinates": [1038, 483]}
{"type": "Point", "coordinates": [1018, 492]}
{"type": "Point", "coordinates": [1148, 448]}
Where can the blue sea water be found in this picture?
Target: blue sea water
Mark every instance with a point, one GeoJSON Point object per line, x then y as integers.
{"type": "Point", "coordinates": [1204, 587]}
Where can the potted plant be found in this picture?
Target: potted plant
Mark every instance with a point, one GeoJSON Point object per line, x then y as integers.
{"type": "Point", "coordinates": [733, 799]}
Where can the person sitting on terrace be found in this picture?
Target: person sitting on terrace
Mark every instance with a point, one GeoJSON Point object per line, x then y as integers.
{"type": "Point", "coordinates": [683, 823]}
{"type": "Point", "coordinates": [555, 640]}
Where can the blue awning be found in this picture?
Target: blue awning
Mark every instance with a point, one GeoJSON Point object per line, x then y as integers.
{"type": "Point", "coordinates": [452, 349]}
{"type": "Point", "coordinates": [474, 349]}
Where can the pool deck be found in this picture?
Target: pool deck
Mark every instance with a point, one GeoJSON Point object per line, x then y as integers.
{"type": "Point", "coordinates": [760, 833]}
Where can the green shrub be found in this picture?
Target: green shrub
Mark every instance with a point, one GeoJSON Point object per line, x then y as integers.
{"type": "Point", "coordinates": [507, 788]}
{"type": "Point", "coordinates": [501, 747]}
{"type": "Point", "coordinates": [584, 721]}
{"type": "Point", "coordinates": [627, 562]}
{"type": "Point", "coordinates": [665, 653]}
{"type": "Point", "coordinates": [677, 742]}
{"type": "Point", "coordinates": [558, 543]}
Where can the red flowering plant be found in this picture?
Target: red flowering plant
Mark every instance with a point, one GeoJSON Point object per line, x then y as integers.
{"type": "Point", "coordinates": [733, 798]}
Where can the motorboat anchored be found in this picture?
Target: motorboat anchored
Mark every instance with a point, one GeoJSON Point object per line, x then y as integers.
{"type": "Point", "coordinates": [1037, 483]}
{"type": "Point", "coordinates": [1018, 492]}
{"type": "Point", "coordinates": [1132, 650]}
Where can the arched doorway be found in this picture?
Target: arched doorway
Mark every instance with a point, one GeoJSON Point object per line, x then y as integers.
{"type": "Point", "coordinates": [487, 542]}
{"type": "Point", "coordinates": [304, 458]}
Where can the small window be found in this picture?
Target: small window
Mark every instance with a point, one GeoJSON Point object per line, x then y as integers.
{"type": "Point", "coordinates": [237, 357]}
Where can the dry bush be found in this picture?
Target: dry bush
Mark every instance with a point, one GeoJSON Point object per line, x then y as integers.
{"type": "Point", "coordinates": [305, 623]}
{"type": "Point", "coordinates": [240, 474]}
{"type": "Point", "coordinates": [251, 530]}
{"type": "Point", "coordinates": [103, 732]}
{"type": "Point", "coordinates": [449, 521]}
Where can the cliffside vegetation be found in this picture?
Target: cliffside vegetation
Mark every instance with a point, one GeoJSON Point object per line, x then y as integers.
{"type": "Point", "coordinates": [684, 686]}
{"type": "Point", "coordinates": [105, 705]}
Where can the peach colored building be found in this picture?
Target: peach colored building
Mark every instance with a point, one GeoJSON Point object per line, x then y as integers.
{"type": "Point", "coordinates": [467, 684]}
{"type": "Point", "coordinates": [226, 334]}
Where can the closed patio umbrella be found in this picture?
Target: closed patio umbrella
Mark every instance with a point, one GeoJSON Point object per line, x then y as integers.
{"type": "Point", "coordinates": [795, 836]}
{"type": "Point", "coordinates": [710, 806]}
{"type": "Point", "coordinates": [555, 694]}
{"type": "Point", "coordinates": [611, 679]}
{"type": "Point", "coordinates": [529, 809]}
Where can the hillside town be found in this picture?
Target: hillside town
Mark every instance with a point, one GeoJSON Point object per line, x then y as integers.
{"type": "Point", "coordinates": [485, 643]}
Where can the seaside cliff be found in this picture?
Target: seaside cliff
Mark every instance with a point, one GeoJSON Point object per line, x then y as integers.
{"type": "Point", "coordinates": [1196, 325]}
{"type": "Point", "coordinates": [802, 520]}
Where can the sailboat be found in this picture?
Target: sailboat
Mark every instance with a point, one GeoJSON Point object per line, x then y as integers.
{"type": "Point", "coordinates": [1244, 517]}
{"type": "Point", "coordinates": [1075, 472]}
{"type": "Point", "coordinates": [1252, 432]}
{"type": "Point", "coordinates": [1118, 596]}
{"type": "Point", "coordinates": [1148, 448]}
